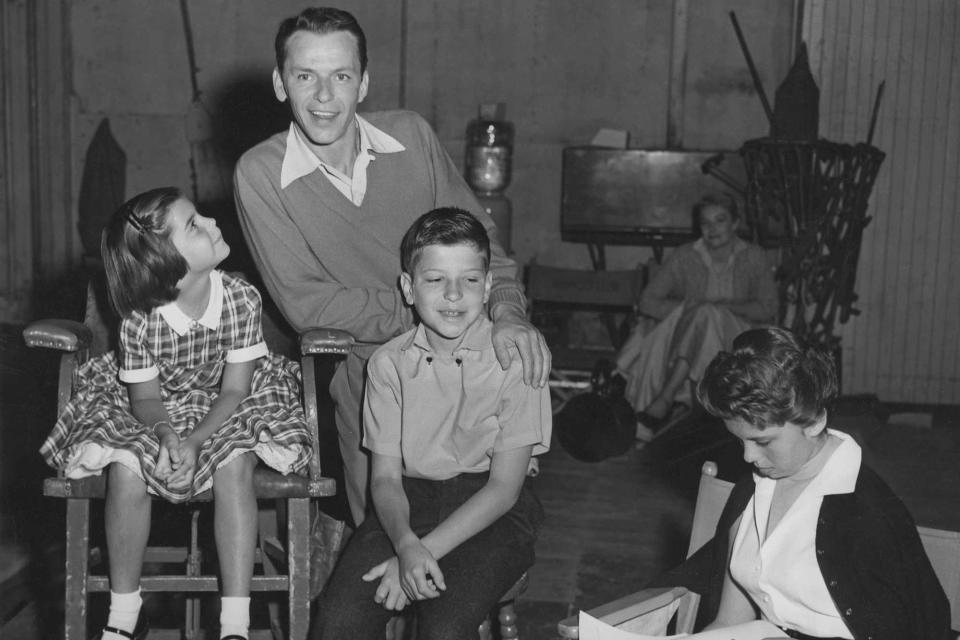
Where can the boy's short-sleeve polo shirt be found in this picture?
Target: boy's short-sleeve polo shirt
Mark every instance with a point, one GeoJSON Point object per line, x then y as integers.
{"type": "Point", "coordinates": [447, 415]}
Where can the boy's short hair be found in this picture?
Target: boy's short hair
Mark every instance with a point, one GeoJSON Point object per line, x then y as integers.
{"type": "Point", "coordinates": [319, 20]}
{"type": "Point", "coordinates": [771, 377]}
{"type": "Point", "coordinates": [444, 226]}
{"type": "Point", "coordinates": [141, 263]}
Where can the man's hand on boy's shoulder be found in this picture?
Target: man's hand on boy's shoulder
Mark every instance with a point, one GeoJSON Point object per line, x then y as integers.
{"type": "Point", "coordinates": [514, 335]}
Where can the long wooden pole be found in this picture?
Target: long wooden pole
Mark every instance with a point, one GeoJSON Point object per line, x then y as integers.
{"type": "Point", "coordinates": [876, 110]}
{"type": "Point", "coordinates": [753, 72]}
{"type": "Point", "coordinates": [678, 71]}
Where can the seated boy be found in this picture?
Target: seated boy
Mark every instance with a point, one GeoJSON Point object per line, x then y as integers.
{"type": "Point", "coordinates": [451, 435]}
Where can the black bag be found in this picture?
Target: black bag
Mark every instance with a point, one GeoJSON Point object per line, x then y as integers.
{"type": "Point", "coordinates": [328, 537]}
{"type": "Point", "coordinates": [600, 423]}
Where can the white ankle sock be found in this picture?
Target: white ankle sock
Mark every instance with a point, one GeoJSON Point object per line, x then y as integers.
{"type": "Point", "coordinates": [124, 611]}
{"type": "Point", "coordinates": [234, 616]}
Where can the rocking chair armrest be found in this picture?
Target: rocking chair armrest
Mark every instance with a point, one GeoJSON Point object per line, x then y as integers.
{"type": "Point", "coordinates": [56, 333]}
{"type": "Point", "coordinates": [623, 609]}
{"type": "Point", "coordinates": [321, 340]}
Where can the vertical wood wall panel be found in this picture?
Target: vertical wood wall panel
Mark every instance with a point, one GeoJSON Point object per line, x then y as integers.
{"type": "Point", "coordinates": [38, 243]}
{"type": "Point", "coordinates": [17, 254]}
{"type": "Point", "coordinates": [946, 344]}
{"type": "Point", "coordinates": [904, 200]}
{"type": "Point", "coordinates": [919, 350]}
{"type": "Point", "coordinates": [6, 259]}
{"type": "Point", "coordinates": [904, 347]}
{"type": "Point", "coordinates": [871, 77]}
{"type": "Point", "coordinates": [57, 250]}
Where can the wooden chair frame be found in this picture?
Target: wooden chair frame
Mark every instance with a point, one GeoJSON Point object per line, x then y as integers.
{"type": "Point", "coordinates": [284, 557]}
{"type": "Point", "coordinates": [555, 291]}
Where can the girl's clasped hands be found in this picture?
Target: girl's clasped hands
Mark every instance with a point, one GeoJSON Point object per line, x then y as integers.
{"type": "Point", "coordinates": [177, 460]}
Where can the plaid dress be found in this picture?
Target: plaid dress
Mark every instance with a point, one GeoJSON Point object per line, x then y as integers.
{"type": "Point", "coordinates": [97, 427]}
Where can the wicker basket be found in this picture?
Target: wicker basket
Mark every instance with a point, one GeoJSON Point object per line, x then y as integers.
{"type": "Point", "coordinates": [810, 199]}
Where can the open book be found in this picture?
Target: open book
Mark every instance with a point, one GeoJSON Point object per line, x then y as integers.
{"type": "Point", "coordinates": [593, 629]}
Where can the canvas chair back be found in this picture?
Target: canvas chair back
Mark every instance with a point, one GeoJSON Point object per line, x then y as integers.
{"type": "Point", "coordinates": [943, 549]}
{"type": "Point", "coordinates": [711, 497]}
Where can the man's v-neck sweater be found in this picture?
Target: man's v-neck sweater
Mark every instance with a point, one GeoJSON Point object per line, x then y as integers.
{"type": "Point", "coordinates": [328, 262]}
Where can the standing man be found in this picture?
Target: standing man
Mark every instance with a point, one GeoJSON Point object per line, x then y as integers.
{"type": "Point", "coordinates": [325, 204]}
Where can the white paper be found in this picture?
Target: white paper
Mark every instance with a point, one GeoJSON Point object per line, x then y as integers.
{"type": "Point", "coordinates": [593, 629]}
{"type": "Point", "coordinates": [612, 138]}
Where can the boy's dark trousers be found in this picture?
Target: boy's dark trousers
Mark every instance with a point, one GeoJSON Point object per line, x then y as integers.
{"type": "Point", "coordinates": [477, 573]}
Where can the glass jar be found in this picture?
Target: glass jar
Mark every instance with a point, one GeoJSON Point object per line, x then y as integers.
{"type": "Point", "coordinates": [489, 153]}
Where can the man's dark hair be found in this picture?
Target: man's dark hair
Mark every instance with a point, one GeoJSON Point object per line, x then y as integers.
{"type": "Point", "coordinates": [141, 264]}
{"type": "Point", "coordinates": [320, 20]}
{"type": "Point", "coordinates": [444, 226]}
{"type": "Point", "coordinates": [771, 377]}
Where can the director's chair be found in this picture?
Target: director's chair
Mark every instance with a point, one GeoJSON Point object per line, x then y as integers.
{"type": "Point", "coordinates": [558, 297]}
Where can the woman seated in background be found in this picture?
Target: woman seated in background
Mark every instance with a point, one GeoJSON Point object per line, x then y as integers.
{"type": "Point", "coordinates": [813, 541]}
{"type": "Point", "coordinates": [706, 293]}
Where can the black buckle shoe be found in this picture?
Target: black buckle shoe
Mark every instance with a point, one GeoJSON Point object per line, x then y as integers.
{"type": "Point", "coordinates": [140, 631]}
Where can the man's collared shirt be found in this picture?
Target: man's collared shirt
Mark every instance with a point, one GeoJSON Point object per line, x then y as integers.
{"type": "Point", "coordinates": [299, 160]}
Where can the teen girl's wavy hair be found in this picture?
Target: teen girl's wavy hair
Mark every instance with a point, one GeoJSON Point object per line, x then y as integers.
{"type": "Point", "coordinates": [771, 377]}
{"type": "Point", "coordinates": [141, 263]}
{"type": "Point", "coordinates": [443, 226]}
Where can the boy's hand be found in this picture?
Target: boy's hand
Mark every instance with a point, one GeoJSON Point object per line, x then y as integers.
{"type": "Point", "coordinates": [389, 592]}
{"type": "Point", "coordinates": [420, 574]}
{"type": "Point", "coordinates": [182, 477]}
{"type": "Point", "coordinates": [513, 334]}
{"type": "Point", "coordinates": [168, 460]}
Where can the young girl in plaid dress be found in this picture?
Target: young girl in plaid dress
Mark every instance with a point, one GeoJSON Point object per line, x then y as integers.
{"type": "Point", "coordinates": [191, 400]}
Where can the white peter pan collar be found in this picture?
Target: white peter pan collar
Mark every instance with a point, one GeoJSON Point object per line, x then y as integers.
{"type": "Point", "coordinates": [181, 322]}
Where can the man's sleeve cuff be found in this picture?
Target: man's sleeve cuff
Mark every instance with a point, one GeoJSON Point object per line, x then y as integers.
{"type": "Point", "coordinates": [510, 297]}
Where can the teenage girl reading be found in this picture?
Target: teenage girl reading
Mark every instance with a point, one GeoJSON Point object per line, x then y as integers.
{"type": "Point", "coordinates": [191, 400]}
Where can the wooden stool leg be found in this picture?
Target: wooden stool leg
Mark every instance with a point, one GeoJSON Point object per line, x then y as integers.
{"type": "Point", "coordinates": [191, 630]}
{"type": "Point", "coordinates": [298, 566]}
{"type": "Point", "coordinates": [268, 541]}
{"type": "Point", "coordinates": [77, 569]}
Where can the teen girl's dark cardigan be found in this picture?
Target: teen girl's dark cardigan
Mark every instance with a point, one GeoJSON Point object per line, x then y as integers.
{"type": "Point", "coordinates": [870, 556]}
